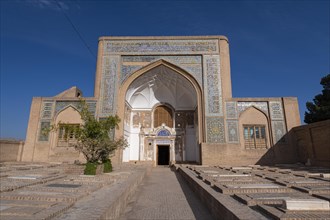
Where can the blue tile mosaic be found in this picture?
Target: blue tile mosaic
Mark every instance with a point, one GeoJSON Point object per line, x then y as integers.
{"type": "Point", "coordinates": [165, 46]}
{"type": "Point", "coordinates": [108, 85]}
{"type": "Point", "coordinates": [192, 64]}
{"type": "Point", "coordinates": [212, 85]}
{"type": "Point", "coordinates": [215, 130]}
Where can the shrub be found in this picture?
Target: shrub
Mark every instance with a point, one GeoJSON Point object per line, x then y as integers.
{"type": "Point", "coordinates": [107, 166]}
{"type": "Point", "coordinates": [90, 168]}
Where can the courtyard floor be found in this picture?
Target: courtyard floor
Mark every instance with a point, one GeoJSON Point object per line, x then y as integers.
{"type": "Point", "coordinates": [140, 191]}
{"type": "Point", "coordinates": [164, 194]}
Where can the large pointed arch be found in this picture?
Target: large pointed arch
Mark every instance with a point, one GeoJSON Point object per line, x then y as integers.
{"type": "Point", "coordinates": [129, 80]}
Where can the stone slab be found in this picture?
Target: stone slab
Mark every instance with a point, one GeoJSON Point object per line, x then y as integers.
{"type": "Point", "coordinates": [254, 186]}
{"type": "Point", "coordinates": [306, 204]}
{"type": "Point", "coordinates": [325, 175]}
{"type": "Point", "coordinates": [23, 177]}
{"type": "Point", "coordinates": [234, 175]}
{"type": "Point", "coordinates": [210, 172]}
{"type": "Point", "coordinates": [4, 207]}
{"type": "Point", "coordinates": [18, 210]}
{"type": "Point", "coordinates": [63, 185]}
{"type": "Point", "coordinates": [241, 168]}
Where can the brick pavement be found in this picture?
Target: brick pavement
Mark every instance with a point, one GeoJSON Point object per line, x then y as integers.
{"type": "Point", "coordinates": [165, 195]}
{"type": "Point", "coordinates": [47, 191]}
{"type": "Point", "coordinates": [287, 191]}
{"type": "Point", "coordinates": [59, 191]}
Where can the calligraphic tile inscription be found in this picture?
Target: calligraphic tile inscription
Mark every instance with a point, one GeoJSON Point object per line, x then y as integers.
{"type": "Point", "coordinates": [47, 109]}
{"type": "Point", "coordinates": [165, 46]}
{"type": "Point", "coordinates": [276, 111]}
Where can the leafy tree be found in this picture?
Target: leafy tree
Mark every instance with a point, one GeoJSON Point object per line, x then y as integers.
{"type": "Point", "coordinates": [320, 109]}
{"type": "Point", "coordinates": [94, 138]}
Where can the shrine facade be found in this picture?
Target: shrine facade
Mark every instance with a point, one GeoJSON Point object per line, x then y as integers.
{"type": "Point", "coordinates": [174, 98]}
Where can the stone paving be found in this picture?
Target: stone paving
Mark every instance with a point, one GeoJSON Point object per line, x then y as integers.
{"type": "Point", "coordinates": [46, 191]}
{"type": "Point", "coordinates": [271, 191]}
{"type": "Point", "coordinates": [61, 192]}
{"type": "Point", "coordinates": [165, 195]}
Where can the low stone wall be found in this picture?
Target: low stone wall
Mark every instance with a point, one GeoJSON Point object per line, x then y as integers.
{"type": "Point", "coordinates": [221, 206]}
{"type": "Point", "coordinates": [313, 143]}
{"type": "Point", "coordinates": [11, 150]}
{"type": "Point", "coordinates": [110, 201]}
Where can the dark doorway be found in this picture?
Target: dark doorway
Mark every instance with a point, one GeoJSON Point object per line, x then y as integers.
{"type": "Point", "coordinates": [163, 155]}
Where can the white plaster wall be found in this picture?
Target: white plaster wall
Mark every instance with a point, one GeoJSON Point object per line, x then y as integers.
{"type": "Point", "coordinates": [126, 154]}
{"type": "Point", "coordinates": [191, 145]}
{"type": "Point", "coordinates": [161, 84]}
{"type": "Point", "coordinates": [178, 156]}
{"type": "Point", "coordinates": [134, 143]}
{"type": "Point", "coordinates": [126, 151]}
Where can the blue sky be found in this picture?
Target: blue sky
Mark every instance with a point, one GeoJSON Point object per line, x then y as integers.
{"type": "Point", "coordinates": [277, 48]}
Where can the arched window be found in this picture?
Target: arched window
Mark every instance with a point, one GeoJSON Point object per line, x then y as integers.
{"type": "Point", "coordinates": [163, 114]}
{"type": "Point", "coordinates": [164, 133]}
{"type": "Point", "coordinates": [254, 136]}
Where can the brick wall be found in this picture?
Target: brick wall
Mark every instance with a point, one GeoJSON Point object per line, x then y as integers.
{"type": "Point", "coordinates": [307, 144]}
{"type": "Point", "coordinates": [313, 143]}
{"type": "Point", "coordinates": [11, 150]}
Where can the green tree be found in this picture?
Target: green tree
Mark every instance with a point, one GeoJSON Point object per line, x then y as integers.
{"type": "Point", "coordinates": [319, 109]}
{"type": "Point", "coordinates": [95, 138]}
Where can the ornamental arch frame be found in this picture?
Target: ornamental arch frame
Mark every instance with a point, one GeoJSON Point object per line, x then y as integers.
{"type": "Point", "coordinates": [129, 80]}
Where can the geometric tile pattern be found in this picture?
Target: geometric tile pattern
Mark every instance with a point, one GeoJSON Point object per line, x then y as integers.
{"type": "Point", "coordinates": [231, 110]}
{"type": "Point", "coordinates": [60, 105]}
{"type": "Point", "coordinates": [215, 132]}
{"type": "Point", "coordinates": [108, 85]}
{"type": "Point", "coordinates": [212, 85]}
{"type": "Point", "coordinates": [241, 106]}
{"type": "Point", "coordinates": [46, 115]}
{"type": "Point", "coordinates": [43, 135]}
{"type": "Point", "coordinates": [192, 64]}
{"type": "Point", "coordinates": [232, 130]}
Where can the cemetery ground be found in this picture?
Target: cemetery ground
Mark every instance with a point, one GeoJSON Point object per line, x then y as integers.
{"type": "Point", "coordinates": [141, 191]}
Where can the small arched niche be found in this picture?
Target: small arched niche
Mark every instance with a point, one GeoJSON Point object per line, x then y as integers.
{"type": "Point", "coordinates": [69, 115]}
{"type": "Point", "coordinates": [254, 129]}
{"type": "Point", "coordinates": [63, 137]}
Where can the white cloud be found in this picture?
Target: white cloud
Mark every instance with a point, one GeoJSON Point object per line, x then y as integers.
{"type": "Point", "coordinates": [48, 4]}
